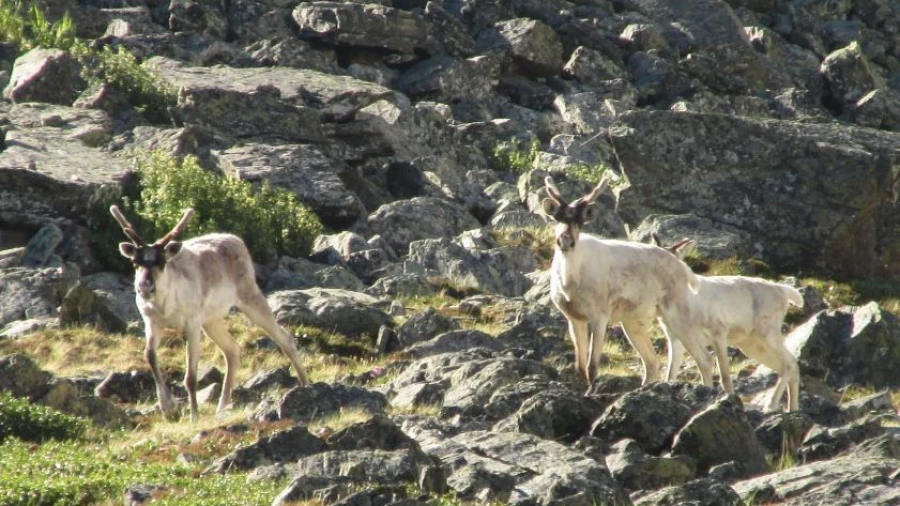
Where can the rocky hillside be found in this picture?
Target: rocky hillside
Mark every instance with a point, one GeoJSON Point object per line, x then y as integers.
{"type": "Point", "coordinates": [765, 129]}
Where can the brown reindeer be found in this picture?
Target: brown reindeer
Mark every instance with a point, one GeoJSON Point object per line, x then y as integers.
{"type": "Point", "coordinates": [191, 286]}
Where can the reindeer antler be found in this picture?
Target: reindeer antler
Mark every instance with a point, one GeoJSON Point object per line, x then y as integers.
{"type": "Point", "coordinates": [127, 227]}
{"type": "Point", "coordinates": [166, 239]}
{"type": "Point", "coordinates": [553, 191]}
{"type": "Point", "coordinates": [595, 193]}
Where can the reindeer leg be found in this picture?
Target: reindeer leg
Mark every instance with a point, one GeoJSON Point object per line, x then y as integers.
{"type": "Point", "coordinates": [578, 333]}
{"type": "Point", "coordinates": [166, 403]}
{"type": "Point", "coordinates": [257, 309]}
{"type": "Point", "coordinates": [595, 349]}
{"type": "Point", "coordinates": [192, 335]}
{"type": "Point", "coordinates": [638, 334]}
{"type": "Point", "coordinates": [218, 333]}
{"type": "Point", "coordinates": [676, 356]}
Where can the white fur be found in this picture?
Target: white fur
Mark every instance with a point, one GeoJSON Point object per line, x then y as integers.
{"type": "Point", "coordinates": [747, 313]}
{"type": "Point", "coordinates": [602, 281]}
{"type": "Point", "coordinates": [195, 291]}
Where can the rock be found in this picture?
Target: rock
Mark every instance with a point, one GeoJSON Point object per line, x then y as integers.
{"type": "Point", "coordinates": [321, 400]}
{"type": "Point", "coordinates": [21, 377]}
{"type": "Point", "coordinates": [68, 397]}
{"type": "Point", "coordinates": [720, 434]}
{"type": "Point", "coordinates": [366, 25]}
{"type": "Point", "coordinates": [847, 73]}
{"type": "Point", "coordinates": [43, 75]}
{"type": "Point", "coordinates": [454, 340]}
{"type": "Point", "coordinates": [402, 222]}
{"type": "Point", "coordinates": [533, 45]}
{"type": "Point", "coordinates": [872, 479]}
{"type": "Point", "coordinates": [302, 169]}
{"type": "Point", "coordinates": [31, 293]}
{"type": "Point", "coordinates": [823, 443]}
{"type": "Point", "coordinates": [424, 326]}
{"type": "Point", "coordinates": [349, 313]}
{"type": "Point", "coordinates": [376, 433]}
{"type": "Point", "coordinates": [772, 204]}
{"type": "Point", "coordinates": [130, 386]}
{"type": "Point", "coordinates": [41, 246]}
{"type": "Point", "coordinates": [521, 468]}
{"type": "Point", "coordinates": [652, 415]}
{"type": "Point", "coordinates": [204, 16]}
{"type": "Point", "coordinates": [636, 470]}
{"type": "Point", "coordinates": [300, 274]}
{"type": "Point", "coordinates": [553, 414]}
{"type": "Point", "coordinates": [703, 491]}
{"type": "Point", "coordinates": [837, 346]}
{"type": "Point", "coordinates": [60, 182]}
{"type": "Point", "coordinates": [283, 446]}
{"type": "Point", "coordinates": [496, 270]}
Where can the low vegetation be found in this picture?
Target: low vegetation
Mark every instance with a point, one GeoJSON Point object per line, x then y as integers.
{"type": "Point", "coordinates": [24, 25]}
{"type": "Point", "coordinates": [271, 222]}
{"type": "Point", "coordinates": [512, 157]}
{"type": "Point", "coordinates": [23, 420]}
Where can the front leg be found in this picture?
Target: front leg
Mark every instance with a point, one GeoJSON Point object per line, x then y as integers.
{"type": "Point", "coordinates": [192, 335]}
{"type": "Point", "coordinates": [595, 350]}
{"type": "Point", "coordinates": [578, 332]}
{"type": "Point", "coordinates": [166, 403]}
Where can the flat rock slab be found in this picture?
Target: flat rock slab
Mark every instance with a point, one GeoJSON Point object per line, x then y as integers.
{"type": "Point", "coordinates": [52, 163]}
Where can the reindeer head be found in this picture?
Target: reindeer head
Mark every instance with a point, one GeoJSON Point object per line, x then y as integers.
{"type": "Point", "coordinates": [570, 218]}
{"type": "Point", "coordinates": [149, 260]}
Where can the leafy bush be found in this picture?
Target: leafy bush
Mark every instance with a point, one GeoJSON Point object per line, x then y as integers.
{"type": "Point", "coordinates": [509, 157]}
{"type": "Point", "coordinates": [28, 29]}
{"type": "Point", "coordinates": [120, 69]}
{"type": "Point", "coordinates": [271, 221]}
{"type": "Point", "coordinates": [19, 418]}
{"type": "Point", "coordinates": [68, 474]}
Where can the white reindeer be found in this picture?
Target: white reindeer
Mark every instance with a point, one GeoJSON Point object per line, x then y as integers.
{"type": "Point", "coordinates": [192, 286]}
{"type": "Point", "coordinates": [594, 282]}
{"type": "Point", "coordinates": [747, 313]}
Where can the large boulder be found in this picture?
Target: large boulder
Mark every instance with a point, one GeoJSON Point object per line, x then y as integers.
{"type": "Point", "coordinates": [764, 177]}
{"type": "Point", "coordinates": [43, 75]}
{"type": "Point", "coordinates": [838, 346]}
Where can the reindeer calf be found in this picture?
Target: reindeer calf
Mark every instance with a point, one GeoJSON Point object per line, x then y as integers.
{"type": "Point", "coordinates": [747, 313]}
{"type": "Point", "coordinates": [191, 287]}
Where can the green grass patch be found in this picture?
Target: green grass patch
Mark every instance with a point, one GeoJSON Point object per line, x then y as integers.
{"type": "Point", "coordinates": [21, 419]}
{"type": "Point", "coordinates": [57, 473]}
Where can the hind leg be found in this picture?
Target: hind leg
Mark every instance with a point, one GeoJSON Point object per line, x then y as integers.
{"type": "Point", "coordinates": [257, 309]}
{"type": "Point", "coordinates": [595, 348]}
{"type": "Point", "coordinates": [218, 333]}
{"type": "Point", "coordinates": [772, 353]}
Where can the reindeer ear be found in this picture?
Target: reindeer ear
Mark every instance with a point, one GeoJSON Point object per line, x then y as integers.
{"type": "Point", "coordinates": [172, 249]}
{"type": "Point", "coordinates": [550, 208]}
{"type": "Point", "coordinates": [128, 250]}
{"type": "Point", "coordinates": [684, 248]}
{"type": "Point", "coordinates": [589, 212]}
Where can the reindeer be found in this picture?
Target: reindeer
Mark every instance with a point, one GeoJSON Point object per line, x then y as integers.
{"type": "Point", "coordinates": [745, 312]}
{"type": "Point", "coordinates": [597, 281]}
{"type": "Point", "coordinates": [191, 286]}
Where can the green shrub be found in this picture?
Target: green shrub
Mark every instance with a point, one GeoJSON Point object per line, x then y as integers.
{"type": "Point", "coordinates": [29, 28]}
{"type": "Point", "coordinates": [509, 157]}
{"type": "Point", "coordinates": [64, 473]}
{"type": "Point", "coordinates": [118, 68]}
{"type": "Point", "coordinates": [271, 221]}
{"type": "Point", "coordinates": [19, 418]}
